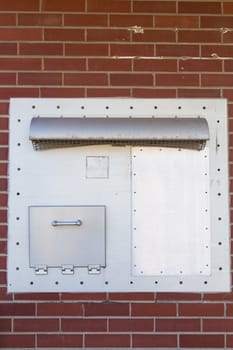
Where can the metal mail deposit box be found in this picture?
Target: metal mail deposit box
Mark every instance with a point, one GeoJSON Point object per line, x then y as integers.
{"type": "Point", "coordinates": [118, 195]}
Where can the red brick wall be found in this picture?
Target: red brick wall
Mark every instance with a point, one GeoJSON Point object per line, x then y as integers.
{"type": "Point", "coordinates": [128, 48]}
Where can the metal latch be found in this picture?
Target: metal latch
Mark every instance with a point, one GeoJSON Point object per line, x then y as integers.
{"type": "Point", "coordinates": [41, 269]}
{"type": "Point", "coordinates": [67, 269]}
{"type": "Point", "coordinates": [94, 269]}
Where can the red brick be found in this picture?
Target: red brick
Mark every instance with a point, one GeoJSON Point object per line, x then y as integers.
{"type": "Point", "coordinates": [201, 341]}
{"type": "Point", "coordinates": [228, 93]}
{"type": "Point", "coordinates": [20, 34]}
{"type": "Point", "coordinates": [199, 36]}
{"type": "Point", "coordinates": [3, 153]}
{"type": "Point", "coordinates": [131, 325]}
{"type": "Point", "coordinates": [3, 219]}
{"type": "Point", "coordinates": [155, 35]}
{"type": "Point", "coordinates": [137, 50]}
{"type": "Point", "coordinates": [39, 19]}
{"type": "Point", "coordinates": [17, 64]}
{"type": "Point", "coordinates": [177, 79]}
{"type": "Point", "coordinates": [62, 92]}
{"type": "Point", "coordinates": [3, 169]}
{"type": "Point", "coordinates": [7, 93]}
{"type": "Point", "coordinates": [37, 296]}
{"type": "Point", "coordinates": [22, 5]}
{"type": "Point", "coordinates": [216, 22]}
{"type": "Point", "coordinates": [176, 21]}
{"type": "Point", "coordinates": [130, 20]}
{"type": "Point", "coordinates": [108, 92]}
{"type": "Point", "coordinates": [3, 138]}
{"type": "Point", "coordinates": [84, 325]}
{"type": "Point", "coordinates": [107, 340]}
{"type": "Point", "coordinates": [5, 325]}
{"type": "Point", "coordinates": [3, 231]}
{"type": "Point", "coordinates": [155, 65]}
{"type": "Point", "coordinates": [153, 309]}
{"type": "Point", "coordinates": [200, 65]}
{"type": "Point", "coordinates": [59, 340]}
{"type": "Point", "coordinates": [109, 64]}
{"type": "Point", "coordinates": [3, 185]}
{"type": "Point", "coordinates": [8, 49]}
{"type": "Point", "coordinates": [228, 66]}
{"type": "Point", "coordinates": [85, 79]}
{"type": "Point", "coordinates": [178, 296]}
{"type": "Point", "coordinates": [217, 50]}
{"type": "Point", "coordinates": [199, 7]}
{"type": "Point", "coordinates": [199, 93]}
{"type": "Point", "coordinates": [227, 7]}
{"type": "Point", "coordinates": [131, 296]}
{"type": "Point", "coordinates": [59, 309]}
{"type": "Point", "coordinates": [108, 5]}
{"type": "Point", "coordinates": [40, 78]}
{"type": "Point", "coordinates": [63, 6]}
{"type": "Point", "coordinates": [229, 309]}
{"type": "Point", "coordinates": [15, 309]}
{"type": "Point", "coordinates": [83, 296]}
{"type": "Point", "coordinates": [154, 6]}
{"type": "Point", "coordinates": [216, 80]}
{"type": "Point", "coordinates": [85, 20]}
{"type": "Point", "coordinates": [106, 309]}
{"type": "Point", "coordinates": [177, 50]}
{"type": "Point", "coordinates": [64, 34]}
{"type": "Point", "coordinates": [201, 309]}
{"type": "Point", "coordinates": [36, 325]}
{"type": "Point", "coordinates": [178, 325]}
{"type": "Point", "coordinates": [8, 78]}
{"type": "Point", "coordinates": [108, 35]}
{"type": "Point", "coordinates": [17, 341]}
{"type": "Point", "coordinates": [65, 64]}
{"type": "Point", "coordinates": [154, 93]}
{"type": "Point", "coordinates": [217, 325]}
{"type": "Point", "coordinates": [41, 49]}
{"type": "Point", "coordinates": [3, 199]}
{"type": "Point", "coordinates": [229, 341]}
{"type": "Point", "coordinates": [134, 79]}
{"type": "Point", "coordinates": [4, 108]}
{"type": "Point", "coordinates": [228, 37]}
{"type": "Point", "coordinates": [7, 19]}
{"type": "Point", "coordinates": [154, 340]}
{"type": "Point", "coordinates": [86, 49]}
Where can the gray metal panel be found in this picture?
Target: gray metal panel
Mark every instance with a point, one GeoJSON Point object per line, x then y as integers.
{"type": "Point", "coordinates": [58, 238]}
{"type": "Point", "coordinates": [47, 128]}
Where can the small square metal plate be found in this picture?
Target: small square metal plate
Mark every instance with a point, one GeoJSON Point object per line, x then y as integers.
{"type": "Point", "coordinates": [67, 235]}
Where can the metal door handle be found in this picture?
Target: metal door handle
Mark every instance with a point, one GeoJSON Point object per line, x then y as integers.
{"type": "Point", "coordinates": [66, 223]}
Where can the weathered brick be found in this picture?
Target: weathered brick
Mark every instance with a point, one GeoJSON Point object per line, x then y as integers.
{"type": "Point", "coordinates": [199, 7]}
{"type": "Point", "coordinates": [39, 19]}
{"type": "Point", "coordinates": [59, 309]}
{"type": "Point", "coordinates": [63, 6]}
{"type": "Point", "coordinates": [155, 341]}
{"type": "Point", "coordinates": [59, 340]}
{"type": "Point", "coordinates": [201, 309]}
{"type": "Point", "coordinates": [22, 5]}
{"type": "Point", "coordinates": [131, 325]}
{"type": "Point", "coordinates": [201, 341]}
{"type": "Point", "coordinates": [36, 325]}
{"type": "Point", "coordinates": [178, 325]}
{"type": "Point", "coordinates": [154, 6]}
{"type": "Point", "coordinates": [134, 79]}
{"type": "Point", "coordinates": [177, 79]}
{"type": "Point", "coordinates": [108, 5]}
{"type": "Point", "coordinates": [176, 21]}
{"type": "Point", "coordinates": [106, 309]}
{"type": "Point", "coordinates": [153, 309]}
{"type": "Point", "coordinates": [107, 340]}
{"type": "Point", "coordinates": [84, 325]}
